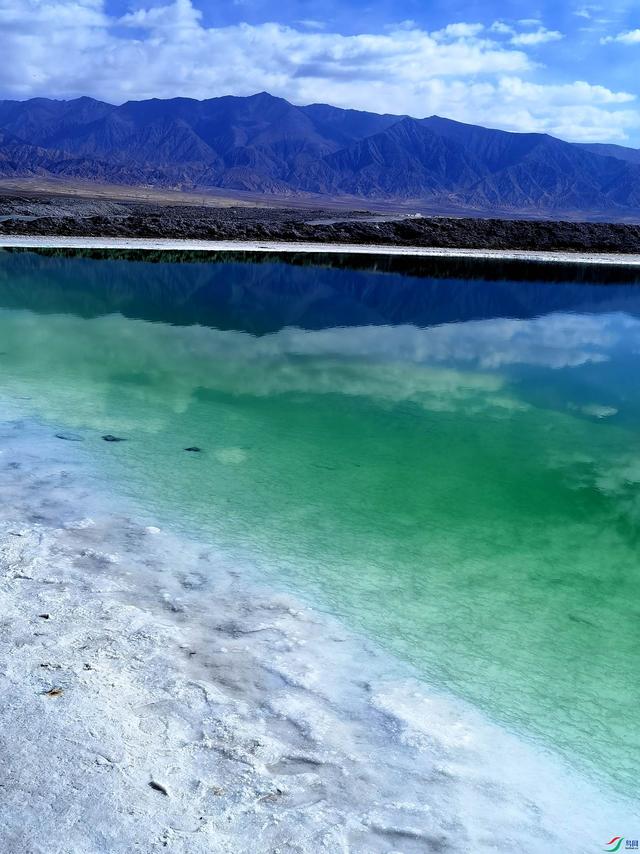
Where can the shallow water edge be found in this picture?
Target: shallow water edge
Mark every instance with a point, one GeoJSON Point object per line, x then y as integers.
{"type": "Point", "coordinates": [133, 656]}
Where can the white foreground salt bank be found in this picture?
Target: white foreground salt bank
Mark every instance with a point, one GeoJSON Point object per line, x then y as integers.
{"type": "Point", "coordinates": [155, 699]}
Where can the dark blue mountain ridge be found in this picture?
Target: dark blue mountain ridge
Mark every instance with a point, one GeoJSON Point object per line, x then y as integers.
{"type": "Point", "coordinates": [267, 145]}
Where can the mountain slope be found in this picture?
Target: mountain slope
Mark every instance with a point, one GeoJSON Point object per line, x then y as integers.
{"type": "Point", "coordinates": [405, 160]}
{"type": "Point", "coordinates": [620, 152]}
{"type": "Point", "coordinates": [265, 144]}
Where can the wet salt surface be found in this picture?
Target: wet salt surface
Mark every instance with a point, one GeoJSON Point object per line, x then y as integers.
{"type": "Point", "coordinates": [156, 697]}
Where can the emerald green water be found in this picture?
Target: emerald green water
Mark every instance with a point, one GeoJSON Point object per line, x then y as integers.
{"type": "Point", "coordinates": [466, 491]}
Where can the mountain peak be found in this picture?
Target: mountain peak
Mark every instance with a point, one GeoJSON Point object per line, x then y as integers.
{"type": "Point", "coordinates": [267, 96]}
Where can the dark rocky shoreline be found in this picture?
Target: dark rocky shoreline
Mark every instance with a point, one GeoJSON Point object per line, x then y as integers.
{"type": "Point", "coordinates": [58, 216]}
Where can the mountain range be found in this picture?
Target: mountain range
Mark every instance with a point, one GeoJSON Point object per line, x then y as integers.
{"type": "Point", "coordinates": [264, 144]}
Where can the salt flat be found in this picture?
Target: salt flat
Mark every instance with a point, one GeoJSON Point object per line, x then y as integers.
{"type": "Point", "coordinates": [597, 258]}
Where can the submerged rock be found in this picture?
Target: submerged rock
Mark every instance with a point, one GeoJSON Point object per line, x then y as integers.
{"type": "Point", "coordinates": [54, 692]}
{"type": "Point", "coordinates": [158, 787]}
{"type": "Point", "coordinates": [69, 437]}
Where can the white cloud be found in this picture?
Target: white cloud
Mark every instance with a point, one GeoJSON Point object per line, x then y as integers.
{"type": "Point", "coordinates": [469, 72]}
{"type": "Point", "coordinates": [577, 111]}
{"type": "Point", "coordinates": [539, 36]}
{"type": "Point", "coordinates": [502, 28]}
{"type": "Point", "coordinates": [459, 31]}
{"type": "Point", "coordinates": [591, 11]}
{"type": "Point", "coordinates": [628, 37]}
{"type": "Point", "coordinates": [529, 38]}
{"type": "Point", "coordinates": [578, 93]}
{"type": "Point", "coordinates": [166, 50]}
{"type": "Point", "coordinates": [177, 17]}
{"type": "Point", "coordinates": [310, 24]}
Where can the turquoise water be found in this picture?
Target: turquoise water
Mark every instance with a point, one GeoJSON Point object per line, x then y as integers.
{"type": "Point", "coordinates": [451, 462]}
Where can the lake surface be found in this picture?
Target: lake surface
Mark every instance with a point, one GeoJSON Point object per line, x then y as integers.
{"type": "Point", "coordinates": [445, 455]}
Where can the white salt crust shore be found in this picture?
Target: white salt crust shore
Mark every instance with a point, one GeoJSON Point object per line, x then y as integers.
{"type": "Point", "coordinates": [131, 656]}
{"type": "Point", "coordinates": [601, 258]}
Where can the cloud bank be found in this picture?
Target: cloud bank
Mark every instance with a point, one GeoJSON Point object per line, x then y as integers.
{"type": "Point", "coordinates": [627, 37]}
{"type": "Point", "coordinates": [486, 75]}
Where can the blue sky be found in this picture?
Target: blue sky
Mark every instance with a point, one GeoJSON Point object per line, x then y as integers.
{"type": "Point", "coordinates": [568, 67]}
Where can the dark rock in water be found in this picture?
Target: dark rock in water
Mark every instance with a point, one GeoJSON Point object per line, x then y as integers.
{"type": "Point", "coordinates": [69, 437]}
{"type": "Point", "coordinates": [110, 438]}
{"type": "Point", "coordinates": [194, 449]}
{"type": "Point", "coordinates": [54, 692]}
{"type": "Point", "coordinates": [158, 787]}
